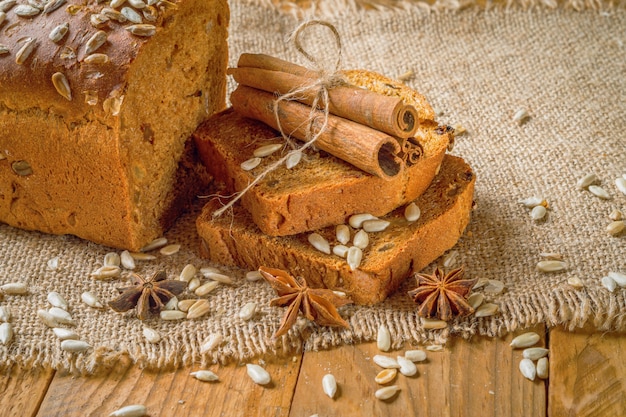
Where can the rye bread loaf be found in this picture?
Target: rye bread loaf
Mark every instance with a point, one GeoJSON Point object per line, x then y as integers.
{"type": "Point", "coordinates": [94, 139]}
{"type": "Point", "coordinates": [322, 190]}
{"type": "Point", "coordinates": [390, 257]}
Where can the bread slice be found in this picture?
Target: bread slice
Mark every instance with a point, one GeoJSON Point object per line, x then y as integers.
{"type": "Point", "coordinates": [391, 256]}
{"type": "Point", "coordinates": [322, 190]}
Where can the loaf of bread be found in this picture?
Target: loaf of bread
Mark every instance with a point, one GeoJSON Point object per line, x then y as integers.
{"type": "Point", "coordinates": [97, 103]}
{"type": "Point", "coordinates": [321, 191]}
{"type": "Point", "coordinates": [389, 258]}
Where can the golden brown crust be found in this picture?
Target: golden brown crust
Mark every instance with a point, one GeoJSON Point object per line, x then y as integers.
{"type": "Point", "coordinates": [391, 256]}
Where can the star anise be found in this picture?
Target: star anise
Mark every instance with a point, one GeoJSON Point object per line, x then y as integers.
{"type": "Point", "coordinates": [147, 295]}
{"type": "Point", "coordinates": [318, 305]}
{"type": "Point", "coordinates": [443, 295]}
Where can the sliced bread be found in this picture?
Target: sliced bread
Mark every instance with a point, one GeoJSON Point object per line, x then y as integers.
{"type": "Point", "coordinates": [390, 257]}
{"type": "Point", "coordinates": [322, 190]}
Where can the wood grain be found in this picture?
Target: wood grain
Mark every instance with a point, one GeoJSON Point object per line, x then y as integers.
{"type": "Point", "coordinates": [475, 378]}
{"type": "Point", "coordinates": [587, 374]}
{"type": "Point", "coordinates": [22, 390]}
{"type": "Point", "coordinates": [175, 393]}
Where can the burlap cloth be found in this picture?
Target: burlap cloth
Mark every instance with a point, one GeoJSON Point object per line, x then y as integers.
{"type": "Point", "coordinates": [477, 67]}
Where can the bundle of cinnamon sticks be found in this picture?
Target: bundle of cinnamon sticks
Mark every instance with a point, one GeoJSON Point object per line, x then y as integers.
{"type": "Point", "coordinates": [371, 131]}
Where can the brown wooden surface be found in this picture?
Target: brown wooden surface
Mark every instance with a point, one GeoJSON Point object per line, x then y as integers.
{"type": "Point", "coordinates": [477, 377]}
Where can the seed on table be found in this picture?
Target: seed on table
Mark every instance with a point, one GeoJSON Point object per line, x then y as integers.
{"type": "Point", "coordinates": [354, 257]}
{"type": "Point", "coordinates": [205, 376]}
{"type": "Point", "coordinates": [538, 212]}
{"type": "Point", "coordinates": [433, 323]}
{"type": "Point", "coordinates": [361, 239]}
{"type": "Point", "coordinates": [157, 243]}
{"type": "Point", "coordinates": [267, 150]}
{"type": "Point", "coordinates": [619, 278]}
{"type": "Point", "coordinates": [6, 333]}
{"type": "Point", "coordinates": [620, 183]}
{"type": "Point", "coordinates": [373, 226]}
{"type": "Point", "coordinates": [387, 392]}
{"type": "Point", "coordinates": [342, 232]}
{"type": "Point", "coordinates": [527, 368]}
{"type": "Point", "coordinates": [535, 353]}
{"type": "Point", "coordinates": [386, 376]}
{"type": "Point", "coordinates": [385, 361]}
{"type": "Point", "coordinates": [251, 163]}
{"type": "Point", "coordinates": [135, 410]}
{"type": "Point", "coordinates": [340, 250]}
{"type": "Point", "coordinates": [112, 259]}
{"type": "Point", "coordinates": [211, 342]}
{"type": "Point", "coordinates": [127, 261]}
{"type": "Point", "coordinates": [407, 367]}
{"type": "Point", "coordinates": [74, 346]}
{"type": "Point", "coordinates": [412, 212]}
{"type": "Point", "coordinates": [169, 250]}
{"type": "Point", "coordinates": [543, 369]}
{"type": "Point", "coordinates": [258, 374]}
{"type": "Point", "coordinates": [187, 273]}
{"type": "Point", "coordinates": [586, 181]}
{"type": "Point", "coordinates": [609, 283]}
{"type": "Point", "coordinates": [415, 355]}
{"type": "Point", "coordinates": [329, 384]}
{"type": "Point", "coordinates": [551, 266]}
{"type": "Point", "coordinates": [475, 300]}
{"type": "Point", "coordinates": [319, 243]}
{"type": "Point", "coordinates": [486, 310]}
{"type": "Point", "coordinates": [253, 276]}
{"type": "Point", "coordinates": [356, 220]}
{"type": "Point", "coordinates": [247, 311]}
{"type": "Point", "coordinates": [64, 334]}
{"type": "Point", "coordinates": [383, 338]}
{"type": "Point", "coordinates": [172, 315]}
{"type": "Point", "coordinates": [525, 340]}
{"type": "Point", "coordinates": [615, 228]}
{"type": "Point", "coordinates": [599, 192]}
{"type": "Point", "coordinates": [56, 300]}
{"type": "Point", "coordinates": [91, 300]}
{"type": "Point", "coordinates": [204, 289]}
{"type": "Point", "coordinates": [575, 282]}
{"type": "Point", "coordinates": [14, 288]}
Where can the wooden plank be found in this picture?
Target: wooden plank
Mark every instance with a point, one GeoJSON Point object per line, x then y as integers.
{"type": "Point", "coordinates": [175, 393]}
{"type": "Point", "coordinates": [22, 390]}
{"type": "Point", "coordinates": [479, 377]}
{"type": "Point", "coordinates": [587, 374]}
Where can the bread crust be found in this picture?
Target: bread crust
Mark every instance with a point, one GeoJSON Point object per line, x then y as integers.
{"type": "Point", "coordinates": [389, 259]}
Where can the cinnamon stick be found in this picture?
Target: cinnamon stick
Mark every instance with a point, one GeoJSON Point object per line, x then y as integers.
{"type": "Point", "coordinates": [368, 149]}
{"type": "Point", "coordinates": [384, 113]}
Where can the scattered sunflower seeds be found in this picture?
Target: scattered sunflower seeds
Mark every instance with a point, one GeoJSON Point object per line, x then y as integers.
{"type": "Point", "coordinates": [383, 338]}
{"type": "Point", "coordinates": [532, 202]}
{"type": "Point", "coordinates": [361, 239]}
{"type": "Point", "coordinates": [434, 348]}
{"type": "Point", "coordinates": [520, 116]}
{"type": "Point", "coordinates": [387, 392]}
{"type": "Point", "coordinates": [615, 228]}
{"type": "Point", "coordinates": [575, 282]}
{"type": "Point", "coordinates": [169, 250]}
{"type": "Point", "coordinates": [135, 410]}
{"type": "Point", "coordinates": [205, 376]}
{"type": "Point", "coordinates": [5, 314]}
{"type": "Point", "coordinates": [112, 259]}
{"type": "Point", "coordinates": [319, 243]}
{"type": "Point", "coordinates": [407, 367]}
{"type": "Point", "coordinates": [258, 374]}
{"type": "Point", "coordinates": [525, 340]}
{"type": "Point", "coordinates": [52, 5]}
{"type": "Point", "coordinates": [106, 272]}
{"type": "Point", "coordinates": [356, 220]}
{"type": "Point", "coordinates": [551, 266]}
{"type": "Point", "coordinates": [373, 226]}
{"type": "Point", "coordinates": [599, 192]}
{"type": "Point", "coordinates": [386, 376]}
{"type": "Point", "coordinates": [385, 361]}
{"type": "Point", "coordinates": [251, 163]}
{"type": "Point", "coordinates": [211, 342]}
{"type": "Point", "coordinates": [151, 335]}
{"type": "Point", "coordinates": [6, 333]}
{"type": "Point", "coordinates": [131, 15]}
{"type": "Point", "coordinates": [172, 315]}
{"type": "Point", "coordinates": [53, 263]}
{"type": "Point", "coordinates": [620, 183]}
{"type": "Point", "coordinates": [619, 278]}
{"type": "Point", "coordinates": [194, 284]}
{"type": "Point", "coordinates": [543, 369]}
{"type": "Point", "coordinates": [185, 305]}
{"type": "Point", "coordinates": [247, 311]}
{"type": "Point", "coordinates": [616, 215]}
{"type": "Point", "coordinates": [172, 304]}
{"type": "Point", "coordinates": [340, 250]}
{"type": "Point", "coordinates": [127, 261]}
{"type": "Point", "coordinates": [58, 32]}
{"type": "Point", "coordinates": [64, 334]}
{"type": "Point", "coordinates": [486, 310]}
{"type": "Point", "coordinates": [26, 10]}
{"type": "Point", "coordinates": [433, 323]}
{"type": "Point", "coordinates": [535, 353]}
{"type": "Point", "coordinates": [253, 276]}
{"type": "Point", "coordinates": [475, 300]}
{"type": "Point", "coordinates": [494, 286]}
{"type": "Point", "coordinates": [216, 276]}
{"type": "Point", "coordinates": [538, 213]}
{"type": "Point", "coordinates": [354, 257]}
{"type": "Point", "coordinates": [609, 283]}
{"type": "Point", "coordinates": [187, 273]}
{"type": "Point", "coordinates": [140, 256]}
{"type": "Point", "coordinates": [198, 309]}
{"type": "Point", "coordinates": [267, 150]}
{"type": "Point", "coordinates": [293, 159]}
{"type": "Point", "coordinates": [527, 368]}
{"type": "Point", "coordinates": [14, 288]}
{"type": "Point", "coordinates": [342, 232]}
{"type": "Point", "coordinates": [329, 384]}
{"type": "Point", "coordinates": [586, 181]}
{"type": "Point", "coordinates": [56, 300]}
{"type": "Point", "coordinates": [61, 316]}
{"type": "Point", "coordinates": [412, 212]}
{"type": "Point", "coordinates": [157, 243]}
{"type": "Point", "coordinates": [95, 41]}
{"type": "Point", "coordinates": [48, 319]}
{"type": "Point", "coordinates": [74, 346]}
{"type": "Point", "coordinates": [415, 355]}
{"type": "Point", "coordinates": [204, 289]}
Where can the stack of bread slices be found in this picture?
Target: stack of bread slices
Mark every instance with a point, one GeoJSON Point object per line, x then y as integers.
{"type": "Point", "coordinates": [325, 220]}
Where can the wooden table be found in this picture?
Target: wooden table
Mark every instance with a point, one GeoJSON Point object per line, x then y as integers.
{"type": "Point", "coordinates": [479, 377]}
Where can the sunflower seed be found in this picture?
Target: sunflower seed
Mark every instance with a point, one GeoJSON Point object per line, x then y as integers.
{"type": "Point", "coordinates": [575, 282]}
{"type": "Point", "coordinates": [98, 20]}
{"type": "Point", "coordinates": [48, 319]}
{"type": "Point", "coordinates": [250, 164]}
{"type": "Point", "coordinates": [25, 10]}
{"type": "Point", "coordinates": [535, 353]}
{"type": "Point", "coordinates": [257, 374]}
{"type": "Point", "coordinates": [480, 283]}
{"type": "Point", "coordinates": [198, 309]}
{"type": "Point", "coordinates": [112, 259]}
{"type": "Point", "coordinates": [205, 376]}
{"type": "Point", "coordinates": [434, 348]}
{"type": "Point", "coordinates": [373, 226]}
{"type": "Point", "coordinates": [387, 392]}
{"type": "Point", "coordinates": [106, 272]}
{"type": "Point", "coordinates": [609, 283]}
{"type": "Point", "coordinates": [6, 5]}
{"type": "Point", "coordinates": [96, 41]}
{"type": "Point", "coordinates": [6, 333]}
{"type": "Point", "coordinates": [415, 355]}
{"type": "Point", "coordinates": [74, 346]}
{"type": "Point", "coordinates": [319, 243]}
{"type": "Point", "coordinates": [356, 221]}
{"type": "Point", "coordinates": [433, 323]}
{"type": "Point", "coordinates": [3, 51]}
{"type": "Point", "coordinates": [215, 276]}
{"type": "Point", "coordinates": [354, 257]}
{"type": "Point", "coordinates": [131, 15]}
{"type": "Point", "coordinates": [620, 183]}
{"type": "Point", "coordinates": [169, 250]}
{"type": "Point", "coordinates": [113, 14]}
{"type": "Point", "coordinates": [151, 335]}
{"type": "Point", "coordinates": [211, 342]}
{"type": "Point", "coordinates": [172, 315]}
{"type": "Point", "coordinates": [551, 256]}
{"type": "Point", "coordinates": [137, 4]}
{"type": "Point", "coordinates": [383, 338]}
{"type": "Point", "coordinates": [407, 367]}
{"type": "Point", "coordinates": [361, 239]}
{"type": "Point", "coordinates": [64, 334]}
{"type": "Point", "coordinates": [532, 202]}
{"type": "Point", "coordinates": [209, 270]}
{"type": "Point", "coordinates": [329, 384]}
{"type": "Point", "coordinates": [486, 310]}
{"type": "Point", "coordinates": [293, 159]}
{"type": "Point", "coordinates": [157, 243]}
{"type": "Point", "coordinates": [116, 3]}
{"type": "Point", "coordinates": [113, 105]}
{"type": "Point", "coordinates": [542, 368]}
{"type": "Point", "coordinates": [619, 278]}
{"type": "Point", "coordinates": [5, 314]}
{"type": "Point", "coordinates": [386, 376]}
{"type": "Point", "coordinates": [599, 192]}
{"type": "Point", "coordinates": [616, 215]}
{"type": "Point", "coordinates": [24, 52]}
{"type": "Point", "coordinates": [267, 150]}
{"type": "Point", "coordinates": [56, 300]}
{"type": "Point", "coordinates": [340, 250]}
{"type": "Point", "coordinates": [525, 340]}
{"type": "Point", "coordinates": [187, 273]}
{"type": "Point", "coordinates": [475, 300]}
{"type": "Point", "coordinates": [58, 32]}
{"type": "Point", "coordinates": [52, 5]}
{"type": "Point", "coordinates": [527, 368]}
{"type": "Point", "coordinates": [61, 316]}
{"type": "Point", "coordinates": [22, 168]}
{"type": "Point", "coordinates": [551, 266]}
{"type": "Point", "coordinates": [253, 276]}
{"type": "Point", "coordinates": [450, 259]}
{"type": "Point", "coordinates": [185, 305]}
{"type": "Point", "coordinates": [520, 116]}
{"type": "Point", "coordinates": [135, 410]}
{"type": "Point", "coordinates": [586, 181]}
{"type": "Point", "coordinates": [91, 300]}
{"type": "Point", "coordinates": [14, 288]}
{"type": "Point", "coordinates": [342, 232]}
{"type": "Point", "coordinates": [385, 361]}
{"type": "Point", "coordinates": [194, 284]}
{"type": "Point", "coordinates": [172, 304]}
{"type": "Point", "coordinates": [62, 85]}
{"type": "Point", "coordinates": [247, 311]}
{"type": "Point", "coordinates": [616, 227]}
{"type": "Point", "coordinates": [140, 256]}
{"type": "Point", "coordinates": [494, 287]}
{"type": "Point", "coordinates": [412, 212]}
{"type": "Point", "coordinates": [538, 212]}
{"type": "Point", "coordinates": [204, 289]}
{"type": "Point", "coordinates": [127, 261]}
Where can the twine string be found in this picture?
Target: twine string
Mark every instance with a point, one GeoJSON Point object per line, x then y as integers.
{"type": "Point", "coordinates": [320, 107]}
